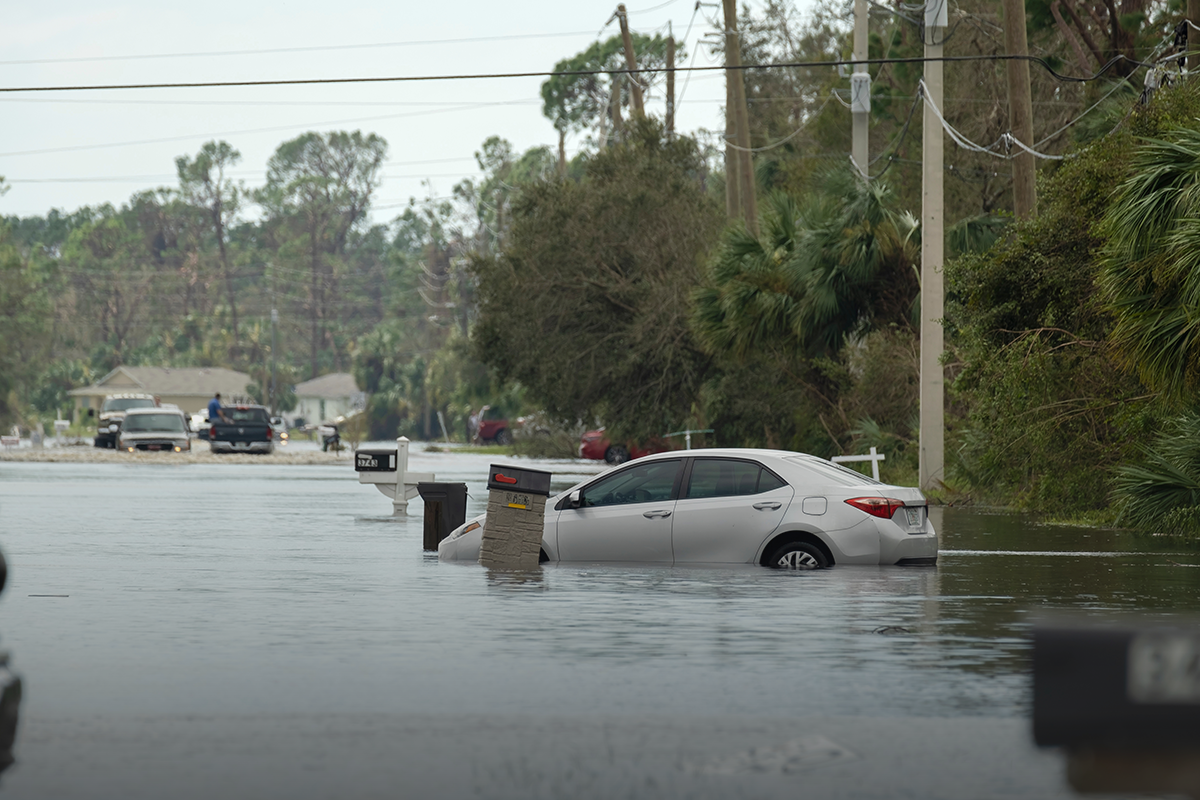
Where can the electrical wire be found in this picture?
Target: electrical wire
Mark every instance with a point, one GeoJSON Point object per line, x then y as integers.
{"type": "Point", "coordinates": [785, 139]}
{"type": "Point", "coordinates": [637, 71]}
{"type": "Point", "coordinates": [1006, 139]}
{"type": "Point", "coordinates": [308, 49]}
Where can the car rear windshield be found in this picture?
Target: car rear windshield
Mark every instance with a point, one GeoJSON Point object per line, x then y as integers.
{"type": "Point", "coordinates": [126, 403]}
{"type": "Point", "coordinates": [154, 423]}
{"type": "Point", "coordinates": [257, 416]}
{"type": "Point", "coordinates": [833, 473]}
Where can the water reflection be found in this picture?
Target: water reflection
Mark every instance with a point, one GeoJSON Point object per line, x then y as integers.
{"type": "Point", "coordinates": [522, 580]}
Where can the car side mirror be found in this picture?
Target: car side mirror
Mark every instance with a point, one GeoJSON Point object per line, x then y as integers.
{"type": "Point", "coordinates": [574, 500]}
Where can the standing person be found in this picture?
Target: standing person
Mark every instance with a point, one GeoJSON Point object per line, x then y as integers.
{"type": "Point", "coordinates": [214, 410]}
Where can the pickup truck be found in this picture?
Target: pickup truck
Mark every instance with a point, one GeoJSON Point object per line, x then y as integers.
{"type": "Point", "coordinates": [112, 413]}
{"type": "Point", "coordinates": [248, 431]}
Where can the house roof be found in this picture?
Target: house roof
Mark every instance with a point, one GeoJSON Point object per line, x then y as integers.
{"type": "Point", "coordinates": [333, 385]}
{"type": "Point", "coordinates": [179, 382]}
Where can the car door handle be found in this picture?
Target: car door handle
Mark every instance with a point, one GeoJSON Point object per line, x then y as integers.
{"type": "Point", "coordinates": [653, 514]}
{"type": "Point", "coordinates": [767, 505]}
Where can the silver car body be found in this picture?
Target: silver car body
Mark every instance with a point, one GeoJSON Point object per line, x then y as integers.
{"type": "Point", "coordinates": [716, 519]}
{"type": "Point", "coordinates": [164, 429]}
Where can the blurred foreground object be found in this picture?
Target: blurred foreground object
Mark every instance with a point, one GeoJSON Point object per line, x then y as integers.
{"type": "Point", "coordinates": [1123, 697]}
{"type": "Point", "coordinates": [10, 694]}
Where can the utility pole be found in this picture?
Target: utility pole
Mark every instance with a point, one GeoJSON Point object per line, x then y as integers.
{"type": "Point", "coordinates": [635, 89]}
{"type": "Point", "coordinates": [1193, 35]}
{"type": "Point", "coordinates": [274, 322]}
{"type": "Point", "coordinates": [931, 470]}
{"type": "Point", "coordinates": [733, 76]}
{"type": "Point", "coordinates": [1020, 108]}
{"type": "Point", "coordinates": [860, 92]}
{"type": "Point", "coordinates": [671, 82]}
{"type": "Point", "coordinates": [733, 195]}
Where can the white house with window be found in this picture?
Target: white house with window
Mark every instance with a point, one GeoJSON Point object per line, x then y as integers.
{"type": "Point", "coordinates": [328, 397]}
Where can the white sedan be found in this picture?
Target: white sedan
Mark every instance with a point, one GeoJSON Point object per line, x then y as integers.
{"type": "Point", "coordinates": [728, 506]}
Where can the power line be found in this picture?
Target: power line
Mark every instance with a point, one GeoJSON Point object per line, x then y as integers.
{"type": "Point", "coordinates": [308, 49]}
{"type": "Point", "coordinates": [502, 75]}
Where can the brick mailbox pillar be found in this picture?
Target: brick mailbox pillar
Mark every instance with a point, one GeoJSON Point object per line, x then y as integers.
{"type": "Point", "coordinates": [516, 511]}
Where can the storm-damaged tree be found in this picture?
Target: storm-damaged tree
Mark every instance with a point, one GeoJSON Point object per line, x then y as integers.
{"type": "Point", "coordinates": [318, 190]}
{"type": "Point", "coordinates": [587, 304]}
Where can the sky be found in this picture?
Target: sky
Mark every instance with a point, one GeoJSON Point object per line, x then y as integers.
{"type": "Point", "coordinates": [69, 149]}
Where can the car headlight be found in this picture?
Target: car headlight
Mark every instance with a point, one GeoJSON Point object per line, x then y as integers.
{"type": "Point", "coordinates": [113, 428]}
{"type": "Point", "coordinates": [470, 527]}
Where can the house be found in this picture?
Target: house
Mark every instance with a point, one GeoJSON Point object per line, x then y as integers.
{"type": "Point", "coordinates": [190, 388]}
{"type": "Point", "coordinates": [328, 397]}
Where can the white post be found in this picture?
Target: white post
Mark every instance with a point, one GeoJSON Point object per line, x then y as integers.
{"type": "Point", "coordinates": [400, 501]}
{"type": "Point", "coordinates": [932, 430]}
{"type": "Point", "coordinates": [687, 440]}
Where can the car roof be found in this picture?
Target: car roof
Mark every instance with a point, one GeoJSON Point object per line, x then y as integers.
{"type": "Point", "coordinates": [155, 410]}
{"type": "Point", "coordinates": [730, 452]}
{"type": "Point", "coordinates": [127, 395]}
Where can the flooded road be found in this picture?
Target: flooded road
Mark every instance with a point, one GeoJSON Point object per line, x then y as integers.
{"type": "Point", "coordinates": [266, 630]}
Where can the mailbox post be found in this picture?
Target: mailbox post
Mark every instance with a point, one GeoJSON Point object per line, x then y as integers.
{"type": "Point", "coordinates": [516, 513]}
{"type": "Point", "coordinates": [388, 471]}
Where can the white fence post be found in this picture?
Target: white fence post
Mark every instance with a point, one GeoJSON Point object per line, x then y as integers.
{"type": "Point", "coordinates": [874, 458]}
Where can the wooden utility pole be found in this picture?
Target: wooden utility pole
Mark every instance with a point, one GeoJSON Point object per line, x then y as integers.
{"type": "Point", "coordinates": [635, 89]}
{"type": "Point", "coordinates": [860, 92]}
{"type": "Point", "coordinates": [733, 195]}
{"type": "Point", "coordinates": [671, 82]}
{"type": "Point", "coordinates": [1020, 109]}
{"type": "Point", "coordinates": [748, 206]}
{"type": "Point", "coordinates": [931, 469]}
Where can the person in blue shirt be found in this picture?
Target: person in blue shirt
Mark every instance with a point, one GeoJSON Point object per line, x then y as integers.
{"type": "Point", "coordinates": [214, 410]}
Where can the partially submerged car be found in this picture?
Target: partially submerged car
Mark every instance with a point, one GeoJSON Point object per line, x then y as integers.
{"type": "Point", "coordinates": [108, 426]}
{"type": "Point", "coordinates": [728, 506]}
{"type": "Point", "coordinates": [158, 429]}
{"type": "Point", "coordinates": [596, 446]}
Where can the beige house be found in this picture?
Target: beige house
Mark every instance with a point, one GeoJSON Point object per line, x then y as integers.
{"type": "Point", "coordinates": [190, 388]}
{"type": "Point", "coordinates": [328, 397]}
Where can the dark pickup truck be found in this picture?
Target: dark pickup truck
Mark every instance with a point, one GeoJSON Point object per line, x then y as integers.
{"type": "Point", "coordinates": [248, 431]}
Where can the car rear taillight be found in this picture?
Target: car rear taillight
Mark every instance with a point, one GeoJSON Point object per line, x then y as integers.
{"type": "Point", "coordinates": [882, 507]}
{"type": "Point", "coordinates": [212, 432]}
{"type": "Point", "coordinates": [269, 434]}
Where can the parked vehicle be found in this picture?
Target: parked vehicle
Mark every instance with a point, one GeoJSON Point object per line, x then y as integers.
{"type": "Point", "coordinates": [112, 413]}
{"type": "Point", "coordinates": [493, 427]}
{"type": "Point", "coordinates": [199, 425]}
{"type": "Point", "coordinates": [731, 506]}
{"type": "Point", "coordinates": [595, 445]}
{"type": "Point", "coordinates": [279, 425]}
{"type": "Point", "coordinates": [248, 431]}
{"type": "Point", "coordinates": [164, 429]}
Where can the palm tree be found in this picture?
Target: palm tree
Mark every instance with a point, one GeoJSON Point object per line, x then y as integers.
{"type": "Point", "coordinates": [815, 277]}
{"type": "Point", "coordinates": [1150, 266]}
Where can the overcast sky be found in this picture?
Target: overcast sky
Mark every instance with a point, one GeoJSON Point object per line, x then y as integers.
{"type": "Point", "coordinates": [68, 149]}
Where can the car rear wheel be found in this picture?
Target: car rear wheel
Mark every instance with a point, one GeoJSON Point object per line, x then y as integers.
{"type": "Point", "coordinates": [503, 437]}
{"type": "Point", "coordinates": [616, 454]}
{"type": "Point", "coordinates": [798, 556]}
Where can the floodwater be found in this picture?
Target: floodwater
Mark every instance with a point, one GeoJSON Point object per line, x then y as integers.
{"type": "Point", "coordinates": [260, 630]}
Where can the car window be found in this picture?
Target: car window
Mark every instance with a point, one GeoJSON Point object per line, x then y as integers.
{"type": "Point", "coordinates": [643, 483]}
{"type": "Point", "coordinates": [126, 403]}
{"type": "Point", "coordinates": [157, 423]}
{"type": "Point", "coordinates": [768, 481]}
{"type": "Point", "coordinates": [722, 477]}
{"type": "Point", "coordinates": [255, 415]}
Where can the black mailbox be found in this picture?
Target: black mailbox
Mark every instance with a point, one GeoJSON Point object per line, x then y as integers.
{"type": "Point", "coordinates": [375, 461]}
{"type": "Point", "coordinates": [1130, 685]}
{"type": "Point", "coordinates": [445, 510]}
{"type": "Point", "coordinates": [519, 479]}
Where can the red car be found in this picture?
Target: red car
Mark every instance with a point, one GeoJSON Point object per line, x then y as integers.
{"type": "Point", "coordinates": [595, 445]}
{"type": "Point", "coordinates": [493, 427]}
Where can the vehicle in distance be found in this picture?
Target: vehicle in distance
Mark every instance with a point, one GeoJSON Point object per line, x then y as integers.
{"type": "Point", "coordinates": [280, 427]}
{"type": "Point", "coordinates": [248, 431]}
{"type": "Point", "coordinates": [596, 446]}
{"type": "Point", "coordinates": [728, 506]}
{"type": "Point", "coordinates": [199, 424]}
{"type": "Point", "coordinates": [493, 426]}
{"type": "Point", "coordinates": [112, 412]}
{"type": "Point", "coordinates": [164, 429]}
